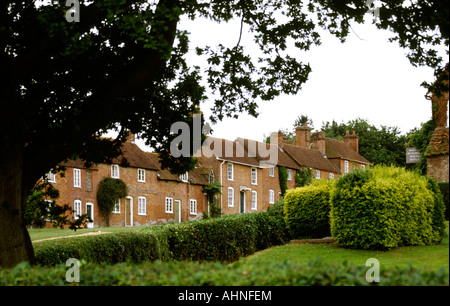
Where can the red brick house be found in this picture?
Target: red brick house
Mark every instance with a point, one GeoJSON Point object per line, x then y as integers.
{"type": "Point", "coordinates": [179, 198]}
{"type": "Point", "coordinates": [155, 196]}
{"type": "Point", "coordinates": [248, 174]}
{"type": "Point", "coordinates": [306, 155]}
{"type": "Point", "coordinates": [239, 173]}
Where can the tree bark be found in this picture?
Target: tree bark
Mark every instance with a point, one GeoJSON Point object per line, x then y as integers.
{"type": "Point", "coordinates": [15, 242]}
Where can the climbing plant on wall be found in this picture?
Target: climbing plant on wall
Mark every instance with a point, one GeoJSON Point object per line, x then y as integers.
{"type": "Point", "coordinates": [109, 192]}
{"type": "Point", "coordinates": [282, 176]}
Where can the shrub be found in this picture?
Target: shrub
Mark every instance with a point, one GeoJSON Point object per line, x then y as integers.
{"type": "Point", "coordinates": [444, 187]}
{"type": "Point", "coordinates": [307, 211]}
{"type": "Point", "coordinates": [108, 248]}
{"type": "Point", "coordinates": [221, 239]}
{"type": "Point", "coordinates": [385, 207]}
{"type": "Point", "coordinates": [173, 273]}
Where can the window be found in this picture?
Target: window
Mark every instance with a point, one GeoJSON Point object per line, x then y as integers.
{"type": "Point", "coordinates": [318, 174]}
{"type": "Point", "coordinates": [331, 176]}
{"type": "Point", "coordinates": [271, 197]}
{"type": "Point", "coordinates": [346, 166]}
{"type": "Point", "coordinates": [289, 172]}
{"type": "Point", "coordinates": [272, 171]}
{"type": "Point", "coordinates": [363, 167]}
{"type": "Point", "coordinates": [77, 209]}
{"type": "Point", "coordinates": [254, 176]}
{"type": "Point", "coordinates": [193, 207]}
{"type": "Point", "coordinates": [230, 197]}
{"type": "Point", "coordinates": [115, 171]}
{"type": "Point", "coordinates": [184, 177]}
{"type": "Point", "coordinates": [230, 172]}
{"type": "Point", "coordinates": [254, 200]}
{"type": "Point", "coordinates": [141, 175]}
{"type": "Point", "coordinates": [50, 177]}
{"type": "Point", "coordinates": [116, 209]}
{"type": "Point", "coordinates": [169, 205]}
{"type": "Point", "coordinates": [142, 206]}
{"type": "Point", "coordinates": [77, 178]}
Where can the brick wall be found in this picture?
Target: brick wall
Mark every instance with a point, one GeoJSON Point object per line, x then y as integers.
{"type": "Point", "coordinates": [438, 168]}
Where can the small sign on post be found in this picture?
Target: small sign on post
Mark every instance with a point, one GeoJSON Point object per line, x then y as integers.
{"type": "Point", "coordinates": [413, 156]}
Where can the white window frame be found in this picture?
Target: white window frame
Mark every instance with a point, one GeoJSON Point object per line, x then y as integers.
{"type": "Point", "coordinates": [142, 206]}
{"type": "Point", "coordinates": [230, 197]}
{"type": "Point", "coordinates": [363, 167]}
{"type": "Point", "coordinates": [185, 177]}
{"type": "Point", "coordinates": [116, 208]}
{"type": "Point", "coordinates": [272, 171]}
{"type": "Point", "coordinates": [77, 178]}
{"type": "Point", "coordinates": [77, 209]}
{"type": "Point", "coordinates": [331, 176]}
{"type": "Point", "coordinates": [289, 173]}
{"type": "Point", "coordinates": [230, 171]}
{"type": "Point", "coordinates": [317, 174]}
{"type": "Point", "coordinates": [193, 207]}
{"type": "Point", "coordinates": [115, 171]}
{"type": "Point", "coordinates": [50, 177]}
{"type": "Point", "coordinates": [346, 166]}
{"type": "Point", "coordinates": [169, 205]}
{"type": "Point", "coordinates": [271, 196]}
{"type": "Point", "coordinates": [254, 176]}
{"type": "Point", "coordinates": [141, 175]}
{"type": "Point", "coordinates": [254, 200]}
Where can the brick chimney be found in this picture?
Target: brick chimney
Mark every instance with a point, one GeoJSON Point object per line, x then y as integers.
{"type": "Point", "coordinates": [303, 136]}
{"type": "Point", "coordinates": [131, 137]}
{"type": "Point", "coordinates": [319, 142]}
{"type": "Point", "coordinates": [277, 138]}
{"type": "Point", "coordinates": [352, 141]}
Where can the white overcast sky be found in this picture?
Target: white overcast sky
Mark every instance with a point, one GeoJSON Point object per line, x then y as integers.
{"type": "Point", "coordinates": [366, 77]}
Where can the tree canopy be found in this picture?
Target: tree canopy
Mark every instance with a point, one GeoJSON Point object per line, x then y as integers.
{"type": "Point", "coordinates": [123, 66]}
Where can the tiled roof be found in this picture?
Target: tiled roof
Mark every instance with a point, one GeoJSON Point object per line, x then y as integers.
{"type": "Point", "coordinates": [79, 164]}
{"type": "Point", "coordinates": [198, 176]}
{"type": "Point", "coordinates": [232, 151]}
{"type": "Point", "coordinates": [338, 149]}
{"type": "Point", "coordinates": [309, 158]}
{"type": "Point", "coordinates": [283, 159]}
{"type": "Point", "coordinates": [136, 158]}
{"type": "Point", "coordinates": [439, 143]}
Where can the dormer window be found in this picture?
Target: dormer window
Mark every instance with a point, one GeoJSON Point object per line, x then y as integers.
{"type": "Point", "coordinates": [184, 177]}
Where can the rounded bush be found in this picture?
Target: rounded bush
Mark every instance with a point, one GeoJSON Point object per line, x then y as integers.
{"type": "Point", "coordinates": [307, 211]}
{"type": "Point", "coordinates": [385, 207]}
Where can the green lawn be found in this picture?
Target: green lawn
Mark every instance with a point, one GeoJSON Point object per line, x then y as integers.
{"type": "Point", "coordinates": [423, 257]}
{"type": "Point", "coordinates": [46, 233]}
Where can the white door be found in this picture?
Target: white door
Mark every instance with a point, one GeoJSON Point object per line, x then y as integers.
{"type": "Point", "coordinates": [90, 214]}
{"type": "Point", "coordinates": [177, 211]}
{"type": "Point", "coordinates": [128, 211]}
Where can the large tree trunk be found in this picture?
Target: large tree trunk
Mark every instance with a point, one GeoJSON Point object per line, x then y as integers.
{"type": "Point", "coordinates": [15, 242]}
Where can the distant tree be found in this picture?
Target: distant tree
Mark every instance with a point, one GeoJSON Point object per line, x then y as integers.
{"type": "Point", "coordinates": [385, 145]}
{"type": "Point", "coordinates": [123, 66]}
{"type": "Point", "coordinates": [302, 120]}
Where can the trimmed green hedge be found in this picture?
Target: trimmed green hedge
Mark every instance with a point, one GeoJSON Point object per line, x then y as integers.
{"type": "Point", "coordinates": [185, 273]}
{"type": "Point", "coordinates": [386, 207]}
{"type": "Point", "coordinates": [222, 239]}
{"type": "Point", "coordinates": [444, 187]}
{"type": "Point", "coordinates": [307, 211]}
